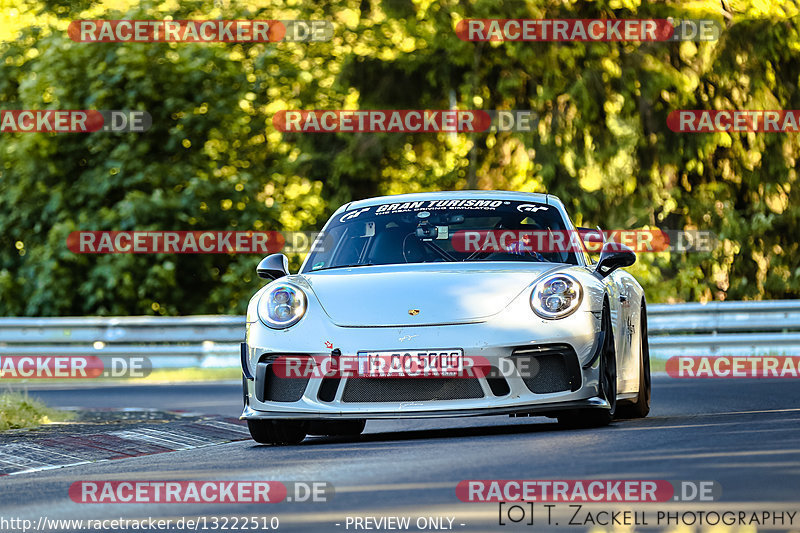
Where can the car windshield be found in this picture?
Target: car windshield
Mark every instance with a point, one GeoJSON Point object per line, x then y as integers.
{"type": "Point", "coordinates": [430, 231]}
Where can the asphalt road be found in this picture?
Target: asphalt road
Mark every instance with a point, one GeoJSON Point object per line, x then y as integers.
{"type": "Point", "coordinates": [743, 434]}
{"type": "Point", "coordinates": [208, 398]}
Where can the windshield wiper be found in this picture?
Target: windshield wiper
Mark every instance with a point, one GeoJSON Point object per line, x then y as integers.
{"type": "Point", "coordinates": [341, 266]}
{"type": "Point", "coordinates": [535, 257]}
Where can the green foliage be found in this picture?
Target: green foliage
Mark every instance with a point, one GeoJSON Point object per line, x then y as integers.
{"type": "Point", "coordinates": [19, 410]}
{"type": "Point", "coordinates": [205, 164]}
{"type": "Point", "coordinates": [213, 160]}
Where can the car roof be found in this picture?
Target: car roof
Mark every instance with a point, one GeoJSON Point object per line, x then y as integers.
{"type": "Point", "coordinates": [548, 199]}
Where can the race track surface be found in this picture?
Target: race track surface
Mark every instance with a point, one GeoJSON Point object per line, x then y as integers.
{"type": "Point", "coordinates": [743, 434]}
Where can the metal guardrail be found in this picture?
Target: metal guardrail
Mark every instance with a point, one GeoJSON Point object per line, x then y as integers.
{"type": "Point", "coordinates": [725, 328]}
{"type": "Point", "coordinates": [177, 342]}
{"type": "Point", "coordinates": [719, 328]}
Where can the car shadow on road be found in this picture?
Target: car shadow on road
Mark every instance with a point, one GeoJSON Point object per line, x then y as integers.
{"type": "Point", "coordinates": [445, 433]}
{"type": "Point", "coordinates": [487, 430]}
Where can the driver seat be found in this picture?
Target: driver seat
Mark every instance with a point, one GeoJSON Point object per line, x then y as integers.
{"type": "Point", "coordinates": [387, 249]}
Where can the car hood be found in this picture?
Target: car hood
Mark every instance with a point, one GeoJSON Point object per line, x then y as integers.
{"type": "Point", "coordinates": [421, 294]}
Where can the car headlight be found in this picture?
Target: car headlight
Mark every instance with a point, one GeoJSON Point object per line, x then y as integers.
{"type": "Point", "coordinates": [556, 296]}
{"type": "Point", "coordinates": [282, 306]}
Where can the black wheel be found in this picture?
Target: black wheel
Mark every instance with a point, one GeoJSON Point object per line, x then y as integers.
{"type": "Point", "coordinates": [608, 385]}
{"type": "Point", "coordinates": [640, 407]}
{"type": "Point", "coordinates": [279, 432]}
{"type": "Point", "coordinates": [336, 428]}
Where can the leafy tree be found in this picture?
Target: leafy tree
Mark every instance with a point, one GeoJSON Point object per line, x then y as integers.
{"type": "Point", "coordinates": [213, 159]}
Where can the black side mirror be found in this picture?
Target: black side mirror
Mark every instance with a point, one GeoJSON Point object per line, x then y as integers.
{"type": "Point", "coordinates": [613, 256]}
{"type": "Point", "coordinates": [273, 267]}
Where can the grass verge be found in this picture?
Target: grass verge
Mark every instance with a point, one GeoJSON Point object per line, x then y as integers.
{"type": "Point", "coordinates": [158, 375]}
{"type": "Point", "coordinates": [18, 410]}
{"type": "Point", "coordinates": [658, 365]}
{"type": "Point", "coordinates": [184, 375]}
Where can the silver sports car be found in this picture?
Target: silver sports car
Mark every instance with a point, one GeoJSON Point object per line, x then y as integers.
{"type": "Point", "coordinates": [445, 304]}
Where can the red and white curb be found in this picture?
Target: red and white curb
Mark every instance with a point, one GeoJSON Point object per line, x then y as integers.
{"type": "Point", "coordinates": [59, 451]}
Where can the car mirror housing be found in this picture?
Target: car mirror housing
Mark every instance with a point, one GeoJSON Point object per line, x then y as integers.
{"type": "Point", "coordinates": [273, 267]}
{"type": "Point", "coordinates": [613, 256]}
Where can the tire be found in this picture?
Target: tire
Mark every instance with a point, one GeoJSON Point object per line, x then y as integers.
{"type": "Point", "coordinates": [640, 407]}
{"type": "Point", "coordinates": [277, 432]}
{"type": "Point", "coordinates": [337, 428]}
{"type": "Point", "coordinates": [594, 417]}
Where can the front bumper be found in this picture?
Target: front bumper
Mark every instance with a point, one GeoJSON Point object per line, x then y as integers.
{"type": "Point", "coordinates": [252, 414]}
{"type": "Point", "coordinates": [576, 339]}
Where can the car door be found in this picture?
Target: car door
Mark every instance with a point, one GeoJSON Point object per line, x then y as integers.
{"type": "Point", "coordinates": [626, 321]}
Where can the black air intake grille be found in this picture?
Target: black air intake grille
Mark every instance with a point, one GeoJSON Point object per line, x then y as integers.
{"type": "Point", "coordinates": [271, 387]}
{"type": "Point", "coordinates": [548, 369]}
{"type": "Point", "coordinates": [410, 389]}
{"type": "Point", "coordinates": [327, 389]}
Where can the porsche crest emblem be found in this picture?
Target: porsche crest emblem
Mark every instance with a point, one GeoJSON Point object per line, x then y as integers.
{"type": "Point", "coordinates": [413, 312]}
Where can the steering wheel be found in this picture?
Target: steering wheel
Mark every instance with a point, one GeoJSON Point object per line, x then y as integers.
{"type": "Point", "coordinates": [405, 240]}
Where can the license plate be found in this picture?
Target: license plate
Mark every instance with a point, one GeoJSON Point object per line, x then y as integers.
{"type": "Point", "coordinates": [411, 363]}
